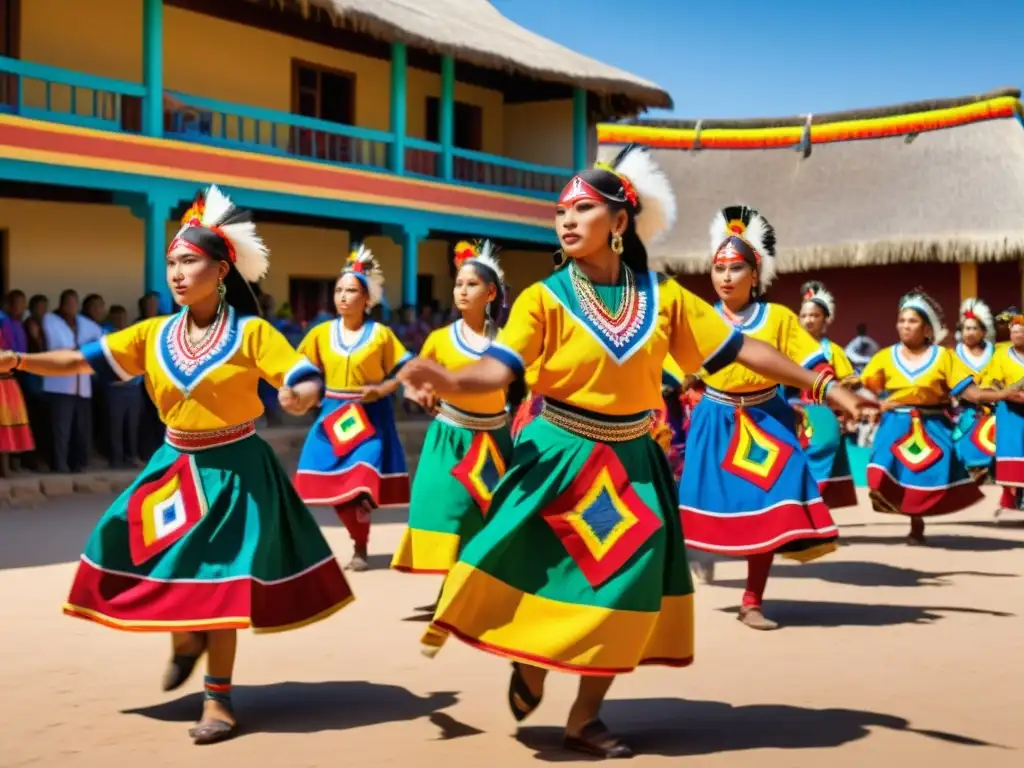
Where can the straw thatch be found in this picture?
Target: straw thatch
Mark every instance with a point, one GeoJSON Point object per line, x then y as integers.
{"type": "Point", "coordinates": [953, 195]}
{"type": "Point", "coordinates": [475, 31]}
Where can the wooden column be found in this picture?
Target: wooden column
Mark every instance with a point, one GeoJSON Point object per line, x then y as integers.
{"type": "Point", "coordinates": [968, 281]}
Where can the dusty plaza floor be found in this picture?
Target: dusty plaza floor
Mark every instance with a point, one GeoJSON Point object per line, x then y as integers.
{"type": "Point", "coordinates": [890, 655]}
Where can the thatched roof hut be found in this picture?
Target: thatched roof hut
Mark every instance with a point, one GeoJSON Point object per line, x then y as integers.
{"type": "Point", "coordinates": [926, 182]}
{"type": "Point", "coordinates": [475, 31]}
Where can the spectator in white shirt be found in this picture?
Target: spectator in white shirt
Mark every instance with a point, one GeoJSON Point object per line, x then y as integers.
{"type": "Point", "coordinates": [862, 348]}
{"type": "Point", "coordinates": [69, 397]}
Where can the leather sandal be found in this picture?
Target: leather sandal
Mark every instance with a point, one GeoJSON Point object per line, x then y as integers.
{"type": "Point", "coordinates": [521, 700]}
{"type": "Point", "coordinates": [753, 617]}
{"type": "Point", "coordinates": [595, 739]}
{"type": "Point", "coordinates": [212, 731]}
{"type": "Point", "coordinates": [182, 665]}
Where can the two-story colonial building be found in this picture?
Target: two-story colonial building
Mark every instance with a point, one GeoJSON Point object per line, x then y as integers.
{"type": "Point", "coordinates": [335, 119]}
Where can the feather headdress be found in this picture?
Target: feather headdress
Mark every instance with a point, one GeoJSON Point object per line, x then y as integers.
{"type": "Point", "coordinates": [643, 186]}
{"type": "Point", "coordinates": [816, 292]}
{"type": "Point", "coordinates": [214, 227]}
{"type": "Point", "coordinates": [976, 309]}
{"type": "Point", "coordinates": [927, 307]}
{"type": "Point", "coordinates": [482, 252]}
{"type": "Point", "coordinates": [363, 265]}
{"type": "Point", "coordinates": [741, 233]}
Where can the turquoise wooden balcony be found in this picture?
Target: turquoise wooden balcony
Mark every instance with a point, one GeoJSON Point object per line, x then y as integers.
{"type": "Point", "coordinates": [43, 92]}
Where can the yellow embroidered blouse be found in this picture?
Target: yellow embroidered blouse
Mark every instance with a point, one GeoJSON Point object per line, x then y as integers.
{"type": "Point", "coordinates": [585, 363]}
{"type": "Point", "coordinates": [776, 325]}
{"type": "Point", "coordinates": [447, 347]}
{"type": "Point", "coordinates": [1006, 367]}
{"type": "Point", "coordinates": [375, 356]}
{"type": "Point", "coordinates": [836, 357]}
{"type": "Point", "coordinates": [977, 365]}
{"type": "Point", "coordinates": [929, 383]}
{"type": "Point", "coordinates": [210, 391]}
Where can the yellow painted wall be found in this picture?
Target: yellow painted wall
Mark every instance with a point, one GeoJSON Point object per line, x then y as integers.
{"type": "Point", "coordinates": [539, 132]}
{"type": "Point", "coordinates": [90, 248]}
{"type": "Point", "coordinates": [523, 268]}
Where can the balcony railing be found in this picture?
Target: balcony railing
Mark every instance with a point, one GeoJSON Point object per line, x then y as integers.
{"type": "Point", "coordinates": [60, 95]}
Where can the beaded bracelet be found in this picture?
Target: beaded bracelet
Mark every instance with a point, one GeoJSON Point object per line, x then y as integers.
{"type": "Point", "coordinates": [822, 383]}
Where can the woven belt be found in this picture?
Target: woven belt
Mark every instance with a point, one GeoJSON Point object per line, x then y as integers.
{"type": "Point", "coordinates": [341, 394]}
{"type": "Point", "coordinates": [741, 400]}
{"type": "Point", "coordinates": [927, 411]}
{"type": "Point", "coordinates": [593, 427]}
{"type": "Point", "coordinates": [201, 441]}
{"type": "Point", "coordinates": [478, 422]}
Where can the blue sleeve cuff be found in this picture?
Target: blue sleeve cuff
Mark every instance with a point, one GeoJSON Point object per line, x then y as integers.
{"type": "Point", "coordinates": [959, 388]}
{"type": "Point", "coordinates": [506, 356]}
{"type": "Point", "coordinates": [302, 371]}
{"type": "Point", "coordinates": [399, 365]}
{"type": "Point", "coordinates": [725, 354]}
{"type": "Point", "coordinates": [818, 358]}
{"type": "Point", "coordinates": [103, 364]}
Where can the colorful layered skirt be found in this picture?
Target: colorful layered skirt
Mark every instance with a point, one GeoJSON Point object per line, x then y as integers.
{"type": "Point", "coordinates": [1009, 445]}
{"type": "Point", "coordinates": [464, 456]}
{"type": "Point", "coordinates": [15, 433]}
{"type": "Point", "coordinates": [747, 487]}
{"type": "Point", "coordinates": [914, 467]}
{"type": "Point", "coordinates": [975, 438]}
{"type": "Point", "coordinates": [210, 536]}
{"type": "Point", "coordinates": [351, 450]}
{"type": "Point", "coordinates": [581, 566]}
{"type": "Point", "coordinates": [821, 436]}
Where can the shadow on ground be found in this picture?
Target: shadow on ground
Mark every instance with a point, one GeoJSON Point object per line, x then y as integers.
{"type": "Point", "coordinates": [816, 613]}
{"type": "Point", "coordinates": [676, 728]}
{"type": "Point", "coordinates": [313, 707]}
{"type": "Point", "coordinates": [952, 542]}
{"type": "Point", "coordinates": [866, 574]}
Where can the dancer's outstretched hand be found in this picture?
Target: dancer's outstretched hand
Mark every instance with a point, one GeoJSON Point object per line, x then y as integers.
{"type": "Point", "coordinates": [422, 374]}
{"type": "Point", "coordinates": [852, 404]}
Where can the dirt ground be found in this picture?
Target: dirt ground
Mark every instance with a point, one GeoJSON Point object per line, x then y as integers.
{"type": "Point", "coordinates": [888, 654]}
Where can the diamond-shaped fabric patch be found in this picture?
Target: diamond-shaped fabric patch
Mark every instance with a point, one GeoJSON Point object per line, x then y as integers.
{"type": "Point", "coordinates": [348, 428]}
{"type": "Point", "coordinates": [983, 435]}
{"type": "Point", "coordinates": [162, 511]}
{"type": "Point", "coordinates": [916, 450]}
{"type": "Point", "coordinates": [481, 469]}
{"type": "Point", "coordinates": [755, 455]}
{"type": "Point", "coordinates": [600, 519]}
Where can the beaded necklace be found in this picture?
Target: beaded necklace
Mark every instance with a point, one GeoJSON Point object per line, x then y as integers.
{"type": "Point", "coordinates": [619, 327]}
{"type": "Point", "coordinates": [207, 341]}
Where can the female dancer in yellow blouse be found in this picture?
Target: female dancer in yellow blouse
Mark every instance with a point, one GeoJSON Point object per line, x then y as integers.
{"type": "Point", "coordinates": [1006, 371]}
{"type": "Point", "coordinates": [352, 459]}
{"type": "Point", "coordinates": [975, 426]}
{"type": "Point", "coordinates": [747, 489]}
{"type": "Point", "coordinates": [579, 568]}
{"type": "Point", "coordinates": [211, 537]}
{"type": "Point", "coordinates": [468, 446]}
{"type": "Point", "coordinates": [820, 430]}
{"type": "Point", "coordinates": [914, 469]}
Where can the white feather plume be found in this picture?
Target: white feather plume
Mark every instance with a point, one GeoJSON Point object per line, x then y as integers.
{"type": "Point", "coordinates": [919, 303]}
{"type": "Point", "coordinates": [981, 311]}
{"type": "Point", "coordinates": [488, 256]}
{"type": "Point", "coordinates": [757, 234]}
{"type": "Point", "coordinates": [657, 200]}
{"type": "Point", "coordinates": [370, 269]}
{"type": "Point", "coordinates": [815, 291]}
{"type": "Point", "coordinates": [252, 257]}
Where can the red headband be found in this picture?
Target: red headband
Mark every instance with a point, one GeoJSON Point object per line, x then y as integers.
{"type": "Point", "coordinates": [735, 249]}
{"type": "Point", "coordinates": [578, 189]}
{"type": "Point", "coordinates": [180, 242]}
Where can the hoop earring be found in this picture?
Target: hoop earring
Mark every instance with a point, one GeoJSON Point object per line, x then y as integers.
{"type": "Point", "coordinates": [617, 245]}
{"type": "Point", "coordinates": [558, 258]}
{"type": "Point", "coordinates": [222, 290]}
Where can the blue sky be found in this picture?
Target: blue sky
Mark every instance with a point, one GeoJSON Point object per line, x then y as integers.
{"type": "Point", "coordinates": [748, 58]}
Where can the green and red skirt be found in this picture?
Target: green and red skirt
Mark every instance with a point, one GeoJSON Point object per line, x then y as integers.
{"type": "Point", "coordinates": [581, 567]}
{"type": "Point", "coordinates": [464, 456]}
{"type": "Point", "coordinates": [210, 536]}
